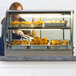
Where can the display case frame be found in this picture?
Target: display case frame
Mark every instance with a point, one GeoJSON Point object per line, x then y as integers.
{"type": "Point", "coordinates": [46, 55]}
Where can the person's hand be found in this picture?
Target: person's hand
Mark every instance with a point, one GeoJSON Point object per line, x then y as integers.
{"type": "Point", "coordinates": [20, 33]}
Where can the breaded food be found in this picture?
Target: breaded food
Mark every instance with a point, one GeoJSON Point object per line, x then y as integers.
{"type": "Point", "coordinates": [38, 24]}
{"type": "Point", "coordinates": [17, 42]}
{"type": "Point", "coordinates": [24, 42]}
{"type": "Point", "coordinates": [25, 24]}
{"type": "Point", "coordinates": [14, 23]}
{"type": "Point", "coordinates": [59, 42]}
{"type": "Point", "coordinates": [38, 41]}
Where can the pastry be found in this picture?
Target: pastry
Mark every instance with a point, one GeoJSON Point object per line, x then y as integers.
{"type": "Point", "coordinates": [58, 21]}
{"type": "Point", "coordinates": [14, 23]}
{"type": "Point", "coordinates": [53, 42]}
{"type": "Point", "coordinates": [64, 21]}
{"type": "Point", "coordinates": [59, 42]}
{"type": "Point", "coordinates": [24, 42]}
{"type": "Point", "coordinates": [38, 41]}
{"type": "Point", "coordinates": [66, 42]}
{"type": "Point", "coordinates": [38, 24]}
{"type": "Point", "coordinates": [17, 42]}
{"type": "Point", "coordinates": [25, 24]}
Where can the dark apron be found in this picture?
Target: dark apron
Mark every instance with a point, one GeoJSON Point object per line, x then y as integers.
{"type": "Point", "coordinates": [1, 46]}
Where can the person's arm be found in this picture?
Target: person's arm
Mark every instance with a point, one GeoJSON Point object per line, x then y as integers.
{"type": "Point", "coordinates": [21, 19]}
{"type": "Point", "coordinates": [18, 32]}
{"type": "Point", "coordinates": [2, 20]}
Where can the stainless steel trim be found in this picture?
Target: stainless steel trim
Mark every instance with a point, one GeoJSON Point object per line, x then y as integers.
{"type": "Point", "coordinates": [71, 31]}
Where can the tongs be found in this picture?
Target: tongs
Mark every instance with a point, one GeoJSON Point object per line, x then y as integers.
{"type": "Point", "coordinates": [25, 37]}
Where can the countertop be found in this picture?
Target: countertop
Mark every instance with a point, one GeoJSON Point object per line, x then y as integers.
{"type": "Point", "coordinates": [37, 58]}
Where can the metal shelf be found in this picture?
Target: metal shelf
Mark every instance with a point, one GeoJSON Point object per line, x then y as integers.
{"type": "Point", "coordinates": [29, 28]}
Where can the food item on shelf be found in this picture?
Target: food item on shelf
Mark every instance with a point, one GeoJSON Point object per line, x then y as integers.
{"type": "Point", "coordinates": [64, 21]}
{"type": "Point", "coordinates": [17, 42]}
{"type": "Point", "coordinates": [38, 24]}
{"type": "Point", "coordinates": [38, 41]}
{"type": "Point", "coordinates": [20, 24]}
{"type": "Point", "coordinates": [25, 24]}
{"type": "Point", "coordinates": [48, 22]}
{"type": "Point", "coordinates": [24, 42]}
{"type": "Point", "coordinates": [59, 42]}
{"type": "Point", "coordinates": [53, 42]}
{"type": "Point", "coordinates": [44, 41]}
{"type": "Point", "coordinates": [65, 41]}
{"type": "Point", "coordinates": [58, 21]}
{"type": "Point", "coordinates": [14, 23]}
{"type": "Point", "coordinates": [37, 38]}
{"type": "Point", "coordinates": [53, 21]}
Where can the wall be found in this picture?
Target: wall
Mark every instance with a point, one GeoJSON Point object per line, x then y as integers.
{"type": "Point", "coordinates": [18, 68]}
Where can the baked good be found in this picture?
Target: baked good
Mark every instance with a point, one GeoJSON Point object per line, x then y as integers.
{"type": "Point", "coordinates": [38, 41]}
{"type": "Point", "coordinates": [38, 24]}
{"type": "Point", "coordinates": [59, 42]}
{"type": "Point", "coordinates": [14, 23]}
{"type": "Point", "coordinates": [15, 42]}
{"type": "Point", "coordinates": [24, 42]}
{"type": "Point", "coordinates": [25, 24]}
{"type": "Point", "coordinates": [66, 42]}
{"type": "Point", "coordinates": [58, 21]}
{"type": "Point", "coordinates": [64, 21]}
{"type": "Point", "coordinates": [53, 42]}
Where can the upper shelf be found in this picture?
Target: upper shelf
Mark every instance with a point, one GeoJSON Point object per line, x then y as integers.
{"type": "Point", "coordinates": [37, 11]}
{"type": "Point", "coordinates": [39, 28]}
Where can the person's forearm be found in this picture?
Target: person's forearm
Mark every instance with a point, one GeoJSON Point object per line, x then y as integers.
{"type": "Point", "coordinates": [18, 32]}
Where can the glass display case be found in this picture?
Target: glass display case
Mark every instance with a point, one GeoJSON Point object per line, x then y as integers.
{"type": "Point", "coordinates": [39, 33]}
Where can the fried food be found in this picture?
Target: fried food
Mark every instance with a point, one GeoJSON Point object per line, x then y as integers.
{"type": "Point", "coordinates": [20, 24]}
{"type": "Point", "coordinates": [59, 42]}
{"type": "Point", "coordinates": [38, 24]}
{"type": "Point", "coordinates": [38, 41]}
{"type": "Point", "coordinates": [25, 24]}
{"type": "Point", "coordinates": [53, 21]}
{"type": "Point", "coordinates": [24, 42]}
{"type": "Point", "coordinates": [64, 21]}
{"type": "Point", "coordinates": [17, 42]}
{"type": "Point", "coordinates": [14, 23]}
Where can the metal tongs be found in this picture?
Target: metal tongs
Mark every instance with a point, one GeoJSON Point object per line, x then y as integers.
{"type": "Point", "coordinates": [25, 37]}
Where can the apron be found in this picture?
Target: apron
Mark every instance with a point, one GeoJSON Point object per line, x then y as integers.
{"type": "Point", "coordinates": [2, 39]}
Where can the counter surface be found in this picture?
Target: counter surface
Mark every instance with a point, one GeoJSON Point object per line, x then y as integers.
{"type": "Point", "coordinates": [37, 58]}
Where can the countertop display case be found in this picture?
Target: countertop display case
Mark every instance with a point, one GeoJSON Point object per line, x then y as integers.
{"type": "Point", "coordinates": [39, 33]}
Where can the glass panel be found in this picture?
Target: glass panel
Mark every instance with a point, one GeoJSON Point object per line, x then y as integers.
{"type": "Point", "coordinates": [40, 20]}
{"type": "Point", "coordinates": [39, 31]}
{"type": "Point", "coordinates": [42, 40]}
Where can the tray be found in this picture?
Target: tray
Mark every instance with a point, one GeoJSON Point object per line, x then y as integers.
{"type": "Point", "coordinates": [55, 24]}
